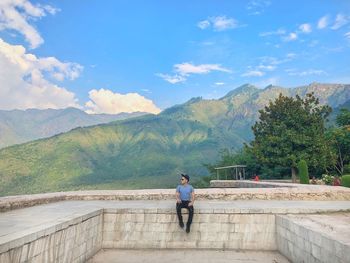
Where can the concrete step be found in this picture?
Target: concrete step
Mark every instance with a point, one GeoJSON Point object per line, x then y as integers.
{"type": "Point", "coordinates": [185, 256]}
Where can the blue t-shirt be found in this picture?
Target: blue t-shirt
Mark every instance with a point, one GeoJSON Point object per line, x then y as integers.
{"type": "Point", "coordinates": [185, 192]}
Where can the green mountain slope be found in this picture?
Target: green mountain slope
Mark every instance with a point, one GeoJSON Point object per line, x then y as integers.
{"type": "Point", "coordinates": [143, 152]}
{"type": "Point", "coordinates": [151, 149]}
{"type": "Point", "coordinates": [18, 126]}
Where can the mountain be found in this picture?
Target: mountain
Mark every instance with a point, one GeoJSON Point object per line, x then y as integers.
{"type": "Point", "coordinates": [19, 126]}
{"type": "Point", "coordinates": [148, 151]}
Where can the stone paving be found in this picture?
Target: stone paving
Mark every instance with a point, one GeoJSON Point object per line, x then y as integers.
{"type": "Point", "coordinates": [280, 191]}
{"type": "Point", "coordinates": [185, 256]}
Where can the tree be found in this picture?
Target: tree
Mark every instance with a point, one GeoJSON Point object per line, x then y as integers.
{"type": "Point", "coordinates": [340, 138]}
{"type": "Point", "coordinates": [303, 172]}
{"type": "Point", "coordinates": [343, 118]}
{"type": "Point", "coordinates": [290, 129]}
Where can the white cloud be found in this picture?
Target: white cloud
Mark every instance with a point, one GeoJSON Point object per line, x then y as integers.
{"type": "Point", "coordinates": [105, 101]}
{"type": "Point", "coordinates": [267, 67]}
{"type": "Point", "coordinates": [188, 68]}
{"type": "Point", "coordinates": [221, 23]}
{"type": "Point", "coordinates": [323, 22]}
{"type": "Point", "coordinates": [253, 73]}
{"type": "Point", "coordinates": [16, 14]}
{"type": "Point", "coordinates": [291, 37]}
{"type": "Point", "coordinates": [305, 28]}
{"type": "Point", "coordinates": [340, 21]}
{"type": "Point", "coordinates": [276, 61]}
{"type": "Point", "coordinates": [267, 64]}
{"type": "Point", "coordinates": [203, 24]}
{"type": "Point", "coordinates": [293, 72]}
{"type": "Point", "coordinates": [184, 70]}
{"type": "Point", "coordinates": [347, 35]}
{"type": "Point", "coordinates": [278, 32]}
{"type": "Point", "coordinates": [173, 79]}
{"type": "Point", "coordinates": [257, 7]}
{"type": "Point", "coordinates": [218, 23]}
{"type": "Point", "coordinates": [25, 80]}
{"type": "Point", "coordinates": [146, 90]}
{"type": "Point", "coordinates": [291, 55]}
{"type": "Point", "coordinates": [219, 83]}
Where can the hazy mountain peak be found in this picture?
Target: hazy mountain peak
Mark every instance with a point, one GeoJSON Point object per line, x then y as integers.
{"type": "Point", "coordinates": [244, 89]}
{"type": "Point", "coordinates": [194, 100]}
{"type": "Point", "coordinates": [272, 87]}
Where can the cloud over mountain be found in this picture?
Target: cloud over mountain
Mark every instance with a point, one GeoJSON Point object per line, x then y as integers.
{"type": "Point", "coordinates": [29, 82]}
{"type": "Point", "coordinates": [184, 70]}
{"type": "Point", "coordinates": [105, 101]}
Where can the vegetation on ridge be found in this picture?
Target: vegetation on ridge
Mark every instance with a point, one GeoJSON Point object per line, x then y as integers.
{"type": "Point", "coordinates": [143, 152]}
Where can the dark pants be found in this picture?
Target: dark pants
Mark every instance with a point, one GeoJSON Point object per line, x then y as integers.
{"type": "Point", "coordinates": [184, 204]}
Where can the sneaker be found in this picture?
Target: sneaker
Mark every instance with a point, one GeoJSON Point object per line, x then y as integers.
{"type": "Point", "coordinates": [181, 224]}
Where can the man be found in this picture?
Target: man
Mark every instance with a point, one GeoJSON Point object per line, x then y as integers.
{"type": "Point", "coordinates": [185, 199]}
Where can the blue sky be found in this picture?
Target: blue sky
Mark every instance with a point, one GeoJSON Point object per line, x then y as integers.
{"type": "Point", "coordinates": [115, 56]}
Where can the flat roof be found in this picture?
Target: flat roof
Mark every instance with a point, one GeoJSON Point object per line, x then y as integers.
{"type": "Point", "coordinates": [231, 166]}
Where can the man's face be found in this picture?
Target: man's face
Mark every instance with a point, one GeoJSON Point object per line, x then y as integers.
{"type": "Point", "coordinates": [183, 180]}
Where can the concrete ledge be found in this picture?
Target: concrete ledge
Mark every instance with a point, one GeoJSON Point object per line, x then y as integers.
{"type": "Point", "coordinates": [278, 192]}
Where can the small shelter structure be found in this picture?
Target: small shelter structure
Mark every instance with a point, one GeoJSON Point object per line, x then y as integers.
{"type": "Point", "coordinates": [238, 174]}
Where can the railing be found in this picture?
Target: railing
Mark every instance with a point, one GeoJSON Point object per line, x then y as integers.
{"type": "Point", "coordinates": [239, 171]}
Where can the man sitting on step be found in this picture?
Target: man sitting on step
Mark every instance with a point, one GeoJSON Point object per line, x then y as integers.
{"type": "Point", "coordinates": [185, 199]}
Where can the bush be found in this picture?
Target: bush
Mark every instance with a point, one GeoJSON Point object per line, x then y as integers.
{"type": "Point", "coordinates": [303, 172]}
{"type": "Point", "coordinates": [327, 179]}
{"type": "Point", "coordinates": [345, 180]}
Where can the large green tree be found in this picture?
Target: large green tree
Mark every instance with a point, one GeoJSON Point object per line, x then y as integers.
{"type": "Point", "coordinates": [290, 129]}
{"type": "Point", "coordinates": [340, 138]}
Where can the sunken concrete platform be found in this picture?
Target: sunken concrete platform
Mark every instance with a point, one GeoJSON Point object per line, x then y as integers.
{"type": "Point", "coordinates": [280, 220]}
{"type": "Point", "coordinates": [75, 231]}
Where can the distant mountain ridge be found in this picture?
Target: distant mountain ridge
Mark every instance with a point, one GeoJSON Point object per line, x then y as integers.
{"type": "Point", "coordinates": [19, 126]}
{"type": "Point", "coordinates": [147, 151]}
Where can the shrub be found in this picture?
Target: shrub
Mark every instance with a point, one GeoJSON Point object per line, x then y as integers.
{"type": "Point", "coordinates": [303, 172]}
{"type": "Point", "coordinates": [327, 179]}
{"type": "Point", "coordinates": [345, 180]}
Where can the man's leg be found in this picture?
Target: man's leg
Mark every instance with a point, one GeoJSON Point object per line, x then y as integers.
{"type": "Point", "coordinates": [179, 215]}
{"type": "Point", "coordinates": [190, 217]}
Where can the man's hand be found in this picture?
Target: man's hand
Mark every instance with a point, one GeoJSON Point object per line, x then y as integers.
{"type": "Point", "coordinates": [178, 201]}
{"type": "Point", "coordinates": [190, 204]}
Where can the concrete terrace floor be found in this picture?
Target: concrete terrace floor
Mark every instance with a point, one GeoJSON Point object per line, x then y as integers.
{"type": "Point", "coordinates": [185, 256]}
{"type": "Point", "coordinates": [26, 221]}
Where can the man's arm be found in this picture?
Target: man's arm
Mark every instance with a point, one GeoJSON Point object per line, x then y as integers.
{"type": "Point", "coordinates": [192, 199]}
{"type": "Point", "coordinates": [177, 195]}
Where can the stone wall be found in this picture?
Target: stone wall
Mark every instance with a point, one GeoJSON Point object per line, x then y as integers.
{"type": "Point", "coordinates": [67, 242]}
{"type": "Point", "coordinates": [160, 229]}
{"type": "Point", "coordinates": [300, 243]}
{"type": "Point", "coordinates": [256, 191]}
